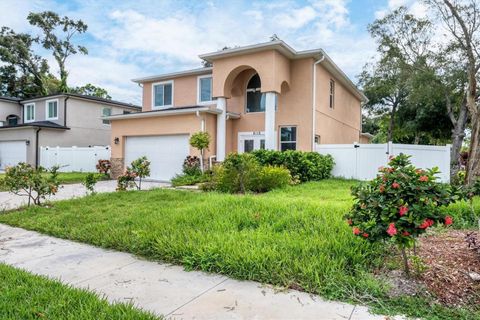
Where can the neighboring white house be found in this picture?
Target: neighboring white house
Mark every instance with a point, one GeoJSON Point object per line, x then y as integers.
{"type": "Point", "coordinates": [63, 120]}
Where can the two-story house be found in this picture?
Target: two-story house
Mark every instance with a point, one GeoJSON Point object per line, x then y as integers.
{"type": "Point", "coordinates": [63, 120]}
{"type": "Point", "coordinates": [261, 96]}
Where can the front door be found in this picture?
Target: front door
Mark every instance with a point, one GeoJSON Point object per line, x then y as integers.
{"type": "Point", "coordinates": [250, 141]}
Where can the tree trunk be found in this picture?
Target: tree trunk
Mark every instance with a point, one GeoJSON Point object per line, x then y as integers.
{"type": "Point", "coordinates": [474, 152]}
{"type": "Point", "coordinates": [391, 125]}
{"type": "Point", "coordinates": [458, 134]}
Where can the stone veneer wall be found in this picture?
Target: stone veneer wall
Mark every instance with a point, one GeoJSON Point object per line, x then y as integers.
{"type": "Point", "coordinates": [118, 165]}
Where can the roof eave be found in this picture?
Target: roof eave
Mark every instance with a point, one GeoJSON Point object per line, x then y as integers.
{"type": "Point", "coordinates": [173, 75]}
{"type": "Point", "coordinates": [162, 113]}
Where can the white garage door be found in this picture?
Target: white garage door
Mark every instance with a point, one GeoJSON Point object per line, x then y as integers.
{"type": "Point", "coordinates": [165, 153]}
{"type": "Point", "coordinates": [12, 152]}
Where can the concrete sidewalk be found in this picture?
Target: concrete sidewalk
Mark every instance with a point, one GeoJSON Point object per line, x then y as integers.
{"type": "Point", "coordinates": [10, 201]}
{"type": "Point", "coordinates": [164, 289]}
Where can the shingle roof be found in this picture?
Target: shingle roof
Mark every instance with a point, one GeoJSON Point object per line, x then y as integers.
{"type": "Point", "coordinates": [40, 124]}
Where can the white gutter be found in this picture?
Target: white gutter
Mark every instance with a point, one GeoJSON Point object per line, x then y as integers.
{"type": "Point", "coordinates": [314, 99]}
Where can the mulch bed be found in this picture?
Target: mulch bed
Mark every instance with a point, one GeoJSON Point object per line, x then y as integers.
{"type": "Point", "coordinates": [448, 262]}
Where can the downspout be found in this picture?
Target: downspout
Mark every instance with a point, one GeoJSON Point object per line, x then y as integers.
{"type": "Point", "coordinates": [65, 111]}
{"type": "Point", "coordinates": [314, 98]}
{"type": "Point", "coordinates": [37, 155]}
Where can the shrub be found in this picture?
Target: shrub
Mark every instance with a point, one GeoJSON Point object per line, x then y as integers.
{"type": "Point", "coordinates": [190, 180]}
{"type": "Point", "coordinates": [34, 183]}
{"type": "Point", "coordinates": [240, 173]}
{"type": "Point", "coordinates": [191, 166]}
{"type": "Point", "coordinates": [104, 166]}
{"type": "Point", "coordinates": [270, 178]}
{"type": "Point", "coordinates": [200, 141]}
{"type": "Point", "coordinates": [400, 204]}
{"type": "Point", "coordinates": [304, 166]}
{"type": "Point", "coordinates": [140, 168]}
{"type": "Point", "coordinates": [90, 181]}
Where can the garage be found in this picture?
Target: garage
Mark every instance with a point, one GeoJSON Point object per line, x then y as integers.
{"type": "Point", "coordinates": [12, 152]}
{"type": "Point", "coordinates": [165, 153]}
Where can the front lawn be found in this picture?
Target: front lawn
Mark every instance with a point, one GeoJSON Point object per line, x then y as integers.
{"type": "Point", "coordinates": [63, 178]}
{"type": "Point", "coordinates": [27, 296]}
{"type": "Point", "coordinates": [295, 237]}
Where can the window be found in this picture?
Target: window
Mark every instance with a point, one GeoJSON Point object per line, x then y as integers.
{"type": "Point", "coordinates": [255, 99]}
{"type": "Point", "coordinates": [248, 146]}
{"type": "Point", "coordinates": [126, 112]}
{"type": "Point", "coordinates": [29, 115]}
{"type": "Point", "coordinates": [12, 120]}
{"type": "Point", "coordinates": [162, 94]}
{"type": "Point", "coordinates": [106, 112]}
{"type": "Point", "coordinates": [205, 89]}
{"type": "Point", "coordinates": [332, 94]}
{"type": "Point", "coordinates": [288, 138]}
{"type": "Point", "coordinates": [51, 109]}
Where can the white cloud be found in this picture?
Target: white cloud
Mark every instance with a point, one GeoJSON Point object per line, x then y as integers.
{"type": "Point", "coordinates": [131, 39]}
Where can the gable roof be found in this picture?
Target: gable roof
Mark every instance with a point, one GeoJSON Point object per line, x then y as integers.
{"type": "Point", "coordinates": [84, 97]}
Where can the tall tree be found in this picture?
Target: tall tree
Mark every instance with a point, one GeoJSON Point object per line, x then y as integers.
{"type": "Point", "coordinates": [462, 20]}
{"type": "Point", "coordinates": [58, 34]}
{"type": "Point", "coordinates": [17, 54]}
{"type": "Point", "coordinates": [91, 90]}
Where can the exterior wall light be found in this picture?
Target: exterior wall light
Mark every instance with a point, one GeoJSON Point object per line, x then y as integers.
{"type": "Point", "coordinates": [27, 142]}
{"type": "Point", "coordinates": [116, 140]}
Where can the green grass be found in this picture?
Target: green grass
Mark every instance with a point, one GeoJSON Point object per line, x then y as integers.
{"type": "Point", "coordinates": [294, 237]}
{"type": "Point", "coordinates": [26, 296]}
{"type": "Point", "coordinates": [63, 178]}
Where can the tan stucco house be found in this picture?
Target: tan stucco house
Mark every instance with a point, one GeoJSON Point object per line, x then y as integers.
{"type": "Point", "coordinates": [62, 120]}
{"type": "Point", "coordinates": [261, 96]}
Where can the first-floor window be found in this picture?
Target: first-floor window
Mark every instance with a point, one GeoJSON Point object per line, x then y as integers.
{"type": "Point", "coordinates": [106, 112]}
{"type": "Point", "coordinates": [288, 138]}
{"type": "Point", "coordinates": [29, 112]}
{"type": "Point", "coordinates": [52, 110]}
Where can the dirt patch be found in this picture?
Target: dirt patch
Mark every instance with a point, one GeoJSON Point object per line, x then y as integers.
{"type": "Point", "coordinates": [449, 263]}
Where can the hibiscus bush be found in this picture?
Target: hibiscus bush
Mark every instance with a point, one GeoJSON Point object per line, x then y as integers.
{"type": "Point", "coordinates": [400, 204]}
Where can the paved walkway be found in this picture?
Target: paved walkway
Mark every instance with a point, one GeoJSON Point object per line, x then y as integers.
{"type": "Point", "coordinates": [68, 191]}
{"type": "Point", "coordinates": [164, 289]}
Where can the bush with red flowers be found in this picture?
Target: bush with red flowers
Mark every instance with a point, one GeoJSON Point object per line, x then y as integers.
{"type": "Point", "coordinates": [400, 204]}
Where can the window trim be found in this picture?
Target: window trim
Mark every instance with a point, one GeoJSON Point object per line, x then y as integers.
{"type": "Point", "coordinates": [154, 107]}
{"type": "Point", "coordinates": [199, 92]}
{"type": "Point", "coordinates": [280, 136]}
{"type": "Point", "coordinates": [103, 115]}
{"type": "Point", "coordinates": [47, 109]}
{"type": "Point", "coordinates": [331, 94]}
{"type": "Point", "coordinates": [25, 112]}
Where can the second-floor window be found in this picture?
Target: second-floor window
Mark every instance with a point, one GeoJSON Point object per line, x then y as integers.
{"type": "Point", "coordinates": [332, 94]}
{"type": "Point", "coordinates": [163, 94]}
{"type": "Point", "coordinates": [205, 89]}
{"type": "Point", "coordinates": [255, 98]}
{"type": "Point", "coordinates": [106, 112]}
{"type": "Point", "coordinates": [52, 109]}
{"type": "Point", "coordinates": [29, 115]}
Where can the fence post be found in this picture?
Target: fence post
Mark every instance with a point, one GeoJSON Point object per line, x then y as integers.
{"type": "Point", "coordinates": [447, 159]}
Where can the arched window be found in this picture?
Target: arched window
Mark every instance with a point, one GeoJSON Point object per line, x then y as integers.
{"type": "Point", "coordinates": [12, 120]}
{"type": "Point", "coordinates": [255, 98]}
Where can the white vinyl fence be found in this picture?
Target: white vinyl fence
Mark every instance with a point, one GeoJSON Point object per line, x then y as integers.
{"type": "Point", "coordinates": [361, 161]}
{"type": "Point", "coordinates": [73, 158]}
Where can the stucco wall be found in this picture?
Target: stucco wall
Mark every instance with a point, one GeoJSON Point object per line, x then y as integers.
{"type": "Point", "coordinates": [185, 92]}
{"type": "Point", "coordinates": [180, 124]}
{"type": "Point", "coordinates": [9, 108]}
{"type": "Point", "coordinates": [342, 124]}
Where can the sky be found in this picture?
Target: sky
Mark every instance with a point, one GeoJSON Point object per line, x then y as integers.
{"type": "Point", "coordinates": [129, 39]}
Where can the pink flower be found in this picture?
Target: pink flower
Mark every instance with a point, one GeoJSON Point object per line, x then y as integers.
{"type": "Point", "coordinates": [391, 230]}
{"type": "Point", "coordinates": [356, 231]}
{"type": "Point", "coordinates": [395, 185]}
{"type": "Point", "coordinates": [403, 210]}
{"type": "Point", "coordinates": [427, 223]}
{"type": "Point", "coordinates": [406, 233]}
{"type": "Point", "coordinates": [423, 178]}
{"type": "Point", "coordinates": [349, 221]}
{"type": "Point", "coordinates": [381, 189]}
{"type": "Point", "coordinates": [448, 220]}
{"type": "Point", "coordinates": [365, 235]}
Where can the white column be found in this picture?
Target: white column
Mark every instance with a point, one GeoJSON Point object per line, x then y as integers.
{"type": "Point", "coordinates": [270, 98]}
{"type": "Point", "coordinates": [221, 128]}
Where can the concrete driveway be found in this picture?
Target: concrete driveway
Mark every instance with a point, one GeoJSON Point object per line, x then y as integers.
{"type": "Point", "coordinates": [10, 201]}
